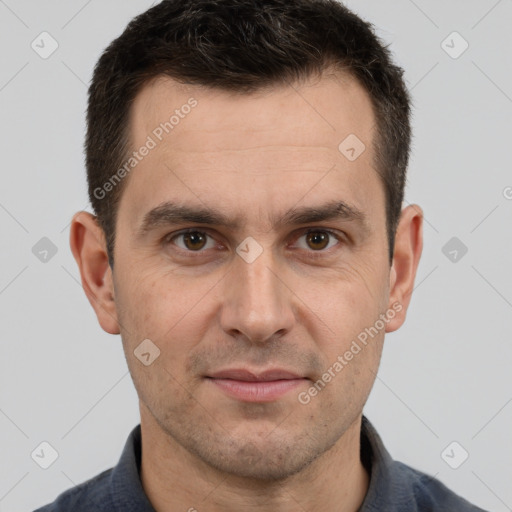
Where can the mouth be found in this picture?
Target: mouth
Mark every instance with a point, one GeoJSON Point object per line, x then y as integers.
{"type": "Point", "coordinates": [251, 386]}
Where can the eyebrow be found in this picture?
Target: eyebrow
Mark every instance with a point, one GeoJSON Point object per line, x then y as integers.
{"type": "Point", "coordinates": [168, 213]}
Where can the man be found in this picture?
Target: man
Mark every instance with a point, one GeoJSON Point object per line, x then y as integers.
{"type": "Point", "coordinates": [246, 164]}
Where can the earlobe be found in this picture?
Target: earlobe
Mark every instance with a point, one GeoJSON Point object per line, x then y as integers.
{"type": "Point", "coordinates": [406, 258]}
{"type": "Point", "coordinates": [87, 242]}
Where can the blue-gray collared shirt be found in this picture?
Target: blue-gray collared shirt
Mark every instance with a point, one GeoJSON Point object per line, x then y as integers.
{"type": "Point", "coordinates": [394, 486]}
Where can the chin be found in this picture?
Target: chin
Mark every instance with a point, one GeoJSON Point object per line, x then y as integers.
{"type": "Point", "coordinates": [264, 460]}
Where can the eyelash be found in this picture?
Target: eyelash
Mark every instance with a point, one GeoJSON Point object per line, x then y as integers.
{"type": "Point", "coordinates": [314, 254]}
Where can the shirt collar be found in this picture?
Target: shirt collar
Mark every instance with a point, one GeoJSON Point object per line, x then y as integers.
{"type": "Point", "coordinates": [390, 485]}
{"type": "Point", "coordinates": [127, 493]}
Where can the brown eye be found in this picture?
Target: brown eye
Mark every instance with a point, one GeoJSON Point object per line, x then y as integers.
{"type": "Point", "coordinates": [192, 241]}
{"type": "Point", "coordinates": [317, 240]}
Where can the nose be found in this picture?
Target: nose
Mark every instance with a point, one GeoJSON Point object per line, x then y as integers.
{"type": "Point", "coordinates": [257, 303]}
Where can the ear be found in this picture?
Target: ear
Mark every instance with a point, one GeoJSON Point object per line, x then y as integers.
{"type": "Point", "coordinates": [406, 257]}
{"type": "Point", "coordinates": [88, 246]}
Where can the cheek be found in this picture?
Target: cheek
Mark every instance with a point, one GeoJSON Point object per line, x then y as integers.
{"type": "Point", "coordinates": [349, 302]}
{"type": "Point", "coordinates": [170, 313]}
{"type": "Point", "coordinates": [165, 307]}
{"type": "Point", "coordinates": [353, 311]}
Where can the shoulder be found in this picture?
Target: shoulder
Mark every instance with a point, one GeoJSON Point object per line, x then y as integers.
{"type": "Point", "coordinates": [397, 486]}
{"type": "Point", "coordinates": [92, 495]}
{"type": "Point", "coordinates": [430, 494]}
{"type": "Point", "coordinates": [117, 488]}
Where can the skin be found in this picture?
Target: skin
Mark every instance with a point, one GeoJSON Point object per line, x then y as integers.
{"type": "Point", "coordinates": [252, 157]}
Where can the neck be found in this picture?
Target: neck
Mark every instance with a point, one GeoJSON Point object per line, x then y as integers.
{"type": "Point", "coordinates": [176, 480]}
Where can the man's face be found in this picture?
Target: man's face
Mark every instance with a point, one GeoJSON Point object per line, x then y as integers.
{"type": "Point", "coordinates": [294, 308]}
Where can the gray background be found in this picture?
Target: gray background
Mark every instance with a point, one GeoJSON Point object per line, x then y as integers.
{"type": "Point", "coordinates": [445, 375]}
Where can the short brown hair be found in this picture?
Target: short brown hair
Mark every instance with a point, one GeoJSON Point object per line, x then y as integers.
{"type": "Point", "coordinates": [242, 46]}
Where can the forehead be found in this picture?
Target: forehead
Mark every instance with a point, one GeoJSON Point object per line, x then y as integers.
{"type": "Point", "coordinates": [250, 150]}
{"type": "Point", "coordinates": [321, 110]}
